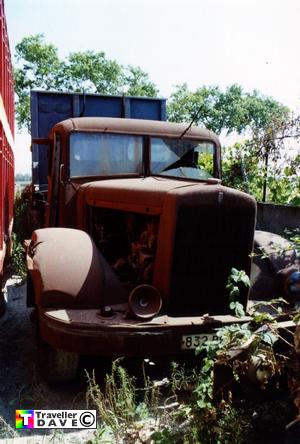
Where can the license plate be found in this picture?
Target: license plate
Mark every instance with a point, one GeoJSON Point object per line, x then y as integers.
{"type": "Point", "coordinates": [191, 342]}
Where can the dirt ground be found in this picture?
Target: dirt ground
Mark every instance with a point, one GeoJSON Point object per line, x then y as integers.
{"type": "Point", "coordinates": [21, 387]}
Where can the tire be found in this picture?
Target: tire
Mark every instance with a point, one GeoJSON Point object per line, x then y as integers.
{"type": "Point", "coordinates": [2, 303]}
{"type": "Point", "coordinates": [30, 295]}
{"type": "Point", "coordinates": [56, 365]}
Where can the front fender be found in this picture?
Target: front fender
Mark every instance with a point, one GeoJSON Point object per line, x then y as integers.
{"type": "Point", "coordinates": [68, 271]}
{"type": "Point", "coordinates": [274, 260]}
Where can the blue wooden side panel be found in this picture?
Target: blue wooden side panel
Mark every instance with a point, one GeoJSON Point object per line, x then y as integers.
{"type": "Point", "coordinates": [49, 108]}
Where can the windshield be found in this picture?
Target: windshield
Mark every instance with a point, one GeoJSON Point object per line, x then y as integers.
{"type": "Point", "coordinates": [97, 154]}
{"type": "Point", "coordinates": [192, 159]}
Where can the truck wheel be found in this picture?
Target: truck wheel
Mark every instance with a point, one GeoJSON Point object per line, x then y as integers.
{"type": "Point", "coordinates": [30, 295]}
{"type": "Point", "coordinates": [2, 303]}
{"type": "Point", "coordinates": [56, 365]}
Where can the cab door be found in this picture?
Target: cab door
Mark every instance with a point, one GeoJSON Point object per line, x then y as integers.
{"type": "Point", "coordinates": [52, 214]}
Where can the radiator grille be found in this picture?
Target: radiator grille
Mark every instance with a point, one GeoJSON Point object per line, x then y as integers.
{"type": "Point", "coordinates": [210, 240]}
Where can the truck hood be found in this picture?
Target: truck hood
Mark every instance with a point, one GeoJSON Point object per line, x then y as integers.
{"type": "Point", "coordinates": [145, 195]}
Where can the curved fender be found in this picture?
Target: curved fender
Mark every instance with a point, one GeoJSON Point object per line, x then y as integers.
{"type": "Point", "coordinates": [68, 271]}
{"type": "Point", "coordinates": [268, 274]}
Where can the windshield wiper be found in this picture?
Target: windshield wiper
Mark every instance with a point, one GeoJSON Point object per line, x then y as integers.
{"type": "Point", "coordinates": [192, 121]}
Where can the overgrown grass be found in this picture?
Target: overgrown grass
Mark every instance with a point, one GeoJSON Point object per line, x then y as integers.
{"type": "Point", "coordinates": [6, 431]}
{"type": "Point", "coordinates": [18, 259]}
{"type": "Point", "coordinates": [156, 413]}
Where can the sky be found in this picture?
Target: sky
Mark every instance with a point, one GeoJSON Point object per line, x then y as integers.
{"type": "Point", "coordinates": [254, 43]}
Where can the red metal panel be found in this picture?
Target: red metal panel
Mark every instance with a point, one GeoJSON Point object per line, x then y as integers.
{"type": "Point", "coordinates": [1, 186]}
{"type": "Point", "coordinates": [6, 137]}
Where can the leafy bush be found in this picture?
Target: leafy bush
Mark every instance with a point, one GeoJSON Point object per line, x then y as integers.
{"type": "Point", "coordinates": [21, 231]}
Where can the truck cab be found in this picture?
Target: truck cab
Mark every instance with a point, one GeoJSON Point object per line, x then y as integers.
{"type": "Point", "coordinates": [89, 149]}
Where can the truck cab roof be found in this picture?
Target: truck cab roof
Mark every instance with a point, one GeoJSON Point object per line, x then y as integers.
{"type": "Point", "coordinates": [133, 126]}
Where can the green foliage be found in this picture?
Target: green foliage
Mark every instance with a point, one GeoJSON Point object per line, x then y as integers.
{"type": "Point", "coordinates": [21, 228]}
{"type": "Point", "coordinates": [199, 418]}
{"type": "Point", "coordinates": [91, 71]}
{"type": "Point", "coordinates": [294, 238]}
{"type": "Point", "coordinates": [138, 82]}
{"type": "Point", "coordinates": [230, 110]}
{"type": "Point", "coordinates": [266, 161]}
{"type": "Point", "coordinates": [164, 436]}
{"type": "Point", "coordinates": [125, 418]}
{"type": "Point", "coordinates": [18, 259]}
{"type": "Point", "coordinates": [236, 278]}
{"type": "Point", "coordinates": [118, 406]}
{"type": "Point", "coordinates": [6, 431]}
{"type": "Point", "coordinates": [21, 231]}
{"type": "Point", "coordinates": [39, 66]}
{"type": "Point", "coordinates": [254, 166]}
{"type": "Point", "coordinates": [244, 171]}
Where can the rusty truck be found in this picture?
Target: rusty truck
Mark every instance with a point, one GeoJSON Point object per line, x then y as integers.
{"type": "Point", "coordinates": [6, 150]}
{"type": "Point", "coordinates": [138, 235]}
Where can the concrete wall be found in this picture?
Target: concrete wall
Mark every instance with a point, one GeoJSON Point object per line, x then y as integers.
{"type": "Point", "coordinates": [277, 218]}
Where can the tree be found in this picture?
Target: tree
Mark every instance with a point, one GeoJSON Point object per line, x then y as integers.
{"type": "Point", "coordinates": [91, 71]}
{"type": "Point", "coordinates": [39, 66]}
{"type": "Point", "coordinates": [229, 110]}
{"type": "Point", "coordinates": [267, 165]}
{"type": "Point", "coordinates": [138, 82]}
{"type": "Point", "coordinates": [263, 164]}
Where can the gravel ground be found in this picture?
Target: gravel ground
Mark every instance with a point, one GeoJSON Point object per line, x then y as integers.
{"type": "Point", "coordinates": [21, 387]}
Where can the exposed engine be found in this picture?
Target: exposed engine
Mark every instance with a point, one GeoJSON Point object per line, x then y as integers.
{"type": "Point", "coordinates": [128, 241]}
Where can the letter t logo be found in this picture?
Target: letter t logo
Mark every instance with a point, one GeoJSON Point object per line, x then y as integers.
{"type": "Point", "coordinates": [24, 419]}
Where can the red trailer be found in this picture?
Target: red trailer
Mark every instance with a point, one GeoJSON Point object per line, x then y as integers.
{"type": "Point", "coordinates": [6, 144]}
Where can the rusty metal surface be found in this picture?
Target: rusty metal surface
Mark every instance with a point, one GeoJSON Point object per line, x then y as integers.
{"type": "Point", "coordinates": [274, 260]}
{"type": "Point", "coordinates": [168, 198]}
{"type": "Point", "coordinates": [91, 319]}
{"type": "Point", "coordinates": [85, 332]}
{"type": "Point", "coordinates": [146, 195]}
{"type": "Point", "coordinates": [62, 263]}
{"type": "Point", "coordinates": [67, 270]}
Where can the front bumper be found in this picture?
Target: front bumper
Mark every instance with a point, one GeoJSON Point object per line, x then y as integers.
{"type": "Point", "coordinates": [87, 333]}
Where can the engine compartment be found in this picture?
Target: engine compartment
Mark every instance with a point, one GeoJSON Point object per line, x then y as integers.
{"type": "Point", "coordinates": [128, 241]}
